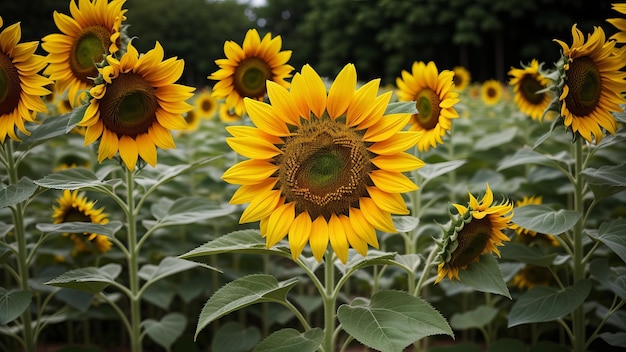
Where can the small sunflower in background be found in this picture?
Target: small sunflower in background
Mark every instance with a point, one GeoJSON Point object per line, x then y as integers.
{"type": "Point", "coordinates": [434, 97]}
{"type": "Point", "coordinates": [619, 23]}
{"type": "Point", "coordinates": [91, 32]}
{"type": "Point", "coordinates": [323, 167]}
{"type": "Point", "coordinates": [70, 161]}
{"type": "Point", "coordinates": [527, 236]}
{"type": "Point", "coordinates": [245, 69]}
{"type": "Point", "coordinates": [193, 121]}
{"type": "Point", "coordinates": [527, 83]}
{"type": "Point", "coordinates": [205, 104]}
{"type": "Point", "coordinates": [491, 92]}
{"type": "Point", "coordinates": [21, 86]}
{"type": "Point", "coordinates": [475, 231]}
{"type": "Point", "coordinates": [134, 105]}
{"type": "Point", "coordinates": [227, 115]}
{"type": "Point", "coordinates": [593, 84]}
{"type": "Point", "coordinates": [462, 78]}
{"type": "Point", "coordinates": [532, 276]}
{"type": "Point", "coordinates": [73, 206]}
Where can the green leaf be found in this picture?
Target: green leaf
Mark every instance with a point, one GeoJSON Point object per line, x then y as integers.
{"type": "Point", "coordinates": [541, 304]}
{"type": "Point", "coordinates": [606, 180]}
{"type": "Point", "coordinates": [49, 128]}
{"type": "Point", "coordinates": [475, 318]}
{"type": "Point", "coordinates": [288, 340]}
{"type": "Point", "coordinates": [17, 193]}
{"type": "Point", "coordinates": [241, 293]}
{"type": "Point", "coordinates": [495, 139]}
{"type": "Point", "coordinates": [167, 330]}
{"type": "Point", "coordinates": [431, 171]}
{"type": "Point", "coordinates": [542, 219]}
{"type": "Point", "coordinates": [357, 261]}
{"type": "Point", "coordinates": [90, 279]}
{"type": "Point", "coordinates": [167, 267]}
{"type": "Point", "coordinates": [614, 338]}
{"type": "Point", "coordinates": [485, 276]}
{"type": "Point", "coordinates": [234, 337]}
{"type": "Point", "coordinates": [392, 321]}
{"type": "Point", "coordinates": [401, 107]}
{"type": "Point", "coordinates": [405, 223]}
{"type": "Point", "coordinates": [523, 157]}
{"type": "Point", "coordinates": [243, 241]}
{"type": "Point", "coordinates": [75, 117]}
{"type": "Point", "coordinates": [71, 179]}
{"type": "Point", "coordinates": [529, 255]}
{"type": "Point", "coordinates": [13, 304]}
{"type": "Point", "coordinates": [612, 235]}
{"type": "Point", "coordinates": [4, 229]}
{"type": "Point", "coordinates": [108, 229]}
{"type": "Point", "coordinates": [608, 277]}
{"type": "Point", "coordinates": [160, 294]}
{"type": "Point", "coordinates": [189, 210]}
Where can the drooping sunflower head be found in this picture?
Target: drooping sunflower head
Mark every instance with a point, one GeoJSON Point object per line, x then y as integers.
{"type": "Point", "coordinates": [245, 69]}
{"type": "Point", "coordinates": [462, 78]}
{"type": "Point", "coordinates": [93, 31]}
{"type": "Point", "coordinates": [323, 166]}
{"type": "Point", "coordinates": [476, 230]}
{"type": "Point", "coordinates": [592, 84]}
{"type": "Point", "coordinates": [21, 86]}
{"type": "Point", "coordinates": [619, 23]}
{"type": "Point", "coordinates": [530, 237]}
{"type": "Point", "coordinates": [135, 105]}
{"type": "Point", "coordinates": [491, 92]}
{"type": "Point", "coordinates": [205, 104]}
{"type": "Point", "coordinates": [531, 276]}
{"type": "Point", "coordinates": [434, 97]}
{"type": "Point", "coordinates": [527, 83]}
{"type": "Point", "coordinates": [75, 207]}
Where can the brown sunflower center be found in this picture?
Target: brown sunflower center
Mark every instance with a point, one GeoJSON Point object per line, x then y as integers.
{"type": "Point", "coordinates": [75, 215]}
{"type": "Point", "coordinates": [585, 86]}
{"type": "Point", "coordinates": [250, 76]}
{"type": "Point", "coordinates": [324, 168]}
{"type": "Point", "coordinates": [472, 241]}
{"type": "Point", "coordinates": [528, 87]}
{"type": "Point", "coordinates": [10, 88]}
{"type": "Point", "coordinates": [492, 93]}
{"type": "Point", "coordinates": [129, 105]}
{"type": "Point", "coordinates": [536, 276]}
{"type": "Point", "coordinates": [87, 50]}
{"type": "Point", "coordinates": [427, 104]}
{"type": "Point", "coordinates": [206, 105]}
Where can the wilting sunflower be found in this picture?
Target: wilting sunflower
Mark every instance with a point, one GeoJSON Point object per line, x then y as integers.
{"type": "Point", "coordinates": [527, 236]}
{"type": "Point", "coordinates": [526, 82]}
{"type": "Point", "coordinates": [135, 105]}
{"type": "Point", "coordinates": [462, 78]}
{"type": "Point", "coordinates": [475, 231]}
{"type": "Point", "coordinates": [21, 87]}
{"type": "Point", "coordinates": [74, 207]}
{"type": "Point", "coordinates": [246, 68]}
{"type": "Point", "coordinates": [323, 167]}
{"type": "Point", "coordinates": [434, 97]}
{"type": "Point", "coordinates": [619, 23]}
{"type": "Point", "coordinates": [491, 92]}
{"type": "Point", "coordinates": [531, 276]}
{"type": "Point", "coordinates": [88, 35]}
{"type": "Point", "coordinates": [593, 84]}
{"type": "Point", "coordinates": [205, 104]}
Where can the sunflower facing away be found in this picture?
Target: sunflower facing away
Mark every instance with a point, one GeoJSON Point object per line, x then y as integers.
{"type": "Point", "coordinates": [205, 104]}
{"type": "Point", "coordinates": [593, 84]}
{"type": "Point", "coordinates": [90, 33]}
{"type": "Point", "coordinates": [135, 106]}
{"type": "Point", "coordinates": [20, 84]}
{"type": "Point", "coordinates": [531, 276]}
{"type": "Point", "coordinates": [462, 78]}
{"type": "Point", "coordinates": [526, 83]}
{"type": "Point", "coordinates": [74, 207]}
{"type": "Point", "coordinates": [527, 236]}
{"type": "Point", "coordinates": [491, 92]}
{"type": "Point", "coordinates": [245, 69]}
{"type": "Point", "coordinates": [619, 23]}
{"type": "Point", "coordinates": [477, 230]}
{"type": "Point", "coordinates": [434, 97]}
{"type": "Point", "coordinates": [323, 167]}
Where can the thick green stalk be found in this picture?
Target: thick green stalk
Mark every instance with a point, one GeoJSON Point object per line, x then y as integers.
{"type": "Point", "coordinates": [329, 302]}
{"type": "Point", "coordinates": [133, 266]}
{"type": "Point", "coordinates": [578, 318]}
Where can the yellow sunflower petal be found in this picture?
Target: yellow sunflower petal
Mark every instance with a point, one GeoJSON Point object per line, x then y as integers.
{"type": "Point", "coordinates": [299, 234]}
{"type": "Point", "coordinates": [319, 238]}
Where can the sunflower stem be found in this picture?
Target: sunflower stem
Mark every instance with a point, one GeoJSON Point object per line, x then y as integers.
{"type": "Point", "coordinates": [133, 266]}
{"type": "Point", "coordinates": [22, 255]}
{"type": "Point", "coordinates": [578, 318]}
{"type": "Point", "coordinates": [329, 302]}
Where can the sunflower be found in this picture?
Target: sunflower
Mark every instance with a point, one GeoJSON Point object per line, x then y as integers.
{"type": "Point", "coordinates": [435, 97]}
{"type": "Point", "coordinates": [92, 32]}
{"type": "Point", "coordinates": [531, 276]}
{"type": "Point", "coordinates": [491, 92]}
{"type": "Point", "coordinates": [205, 104]}
{"type": "Point", "coordinates": [619, 23]}
{"type": "Point", "coordinates": [529, 236]}
{"type": "Point", "coordinates": [227, 115]}
{"type": "Point", "coordinates": [462, 78]}
{"type": "Point", "coordinates": [246, 68]}
{"type": "Point", "coordinates": [20, 84]}
{"type": "Point", "coordinates": [135, 105]}
{"type": "Point", "coordinates": [323, 167]}
{"type": "Point", "coordinates": [193, 121]}
{"type": "Point", "coordinates": [74, 207]}
{"type": "Point", "coordinates": [593, 84]}
{"type": "Point", "coordinates": [475, 231]}
{"type": "Point", "coordinates": [526, 83]}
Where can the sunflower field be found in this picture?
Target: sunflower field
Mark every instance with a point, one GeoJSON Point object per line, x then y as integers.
{"type": "Point", "coordinates": [276, 208]}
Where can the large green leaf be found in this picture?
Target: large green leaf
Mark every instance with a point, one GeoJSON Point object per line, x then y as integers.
{"type": "Point", "coordinates": [292, 340]}
{"type": "Point", "coordinates": [241, 293]}
{"type": "Point", "coordinates": [405, 223]}
{"type": "Point", "coordinates": [541, 304]}
{"type": "Point", "coordinates": [401, 107]}
{"type": "Point", "coordinates": [167, 330]}
{"type": "Point", "coordinates": [19, 192]}
{"type": "Point", "coordinates": [243, 241]}
{"type": "Point", "coordinates": [485, 276]}
{"type": "Point", "coordinates": [75, 117]}
{"type": "Point", "coordinates": [49, 128]}
{"type": "Point", "coordinates": [90, 279]}
{"type": "Point", "coordinates": [523, 157]}
{"type": "Point", "coordinates": [475, 318]}
{"type": "Point", "coordinates": [168, 266]}
{"type": "Point", "coordinates": [357, 261]}
{"type": "Point", "coordinates": [495, 139]}
{"type": "Point", "coordinates": [74, 178]}
{"type": "Point", "coordinates": [392, 321]}
{"type": "Point", "coordinates": [529, 255]}
{"type": "Point", "coordinates": [188, 210]}
{"type": "Point", "coordinates": [612, 235]}
{"type": "Point", "coordinates": [234, 337]}
{"type": "Point", "coordinates": [108, 229]}
{"type": "Point", "coordinates": [13, 304]}
{"type": "Point", "coordinates": [542, 219]}
{"type": "Point", "coordinates": [614, 281]}
{"type": "Point", "coordinates": [431, 171]}
{"type": "Point", "coordinates": [606, 180]}
{"type": "Point", "coordinates": [614, 339]}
